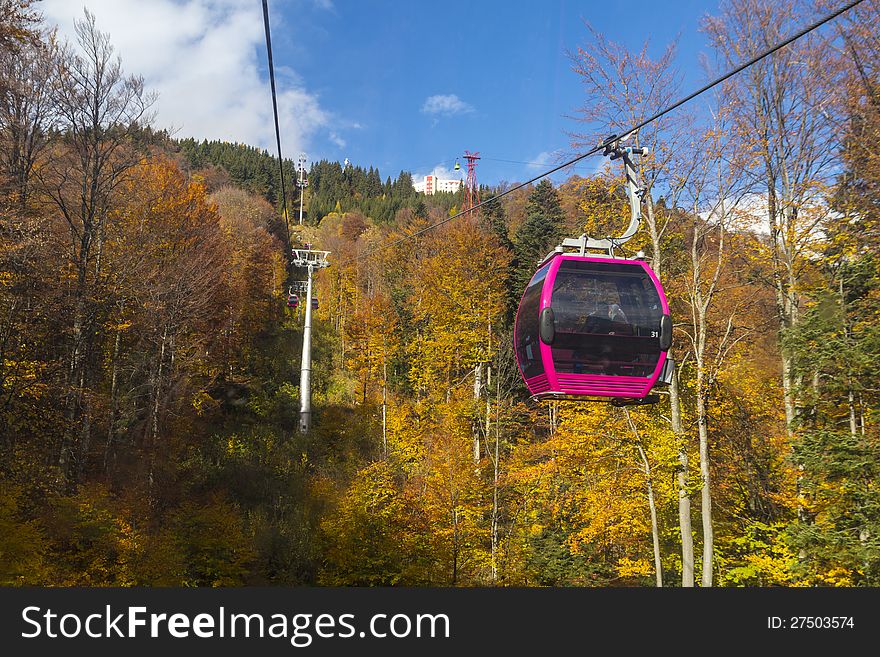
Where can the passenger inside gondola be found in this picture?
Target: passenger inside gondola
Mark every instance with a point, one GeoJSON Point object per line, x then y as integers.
{"type": "Point", "coordinates": [607, 318]}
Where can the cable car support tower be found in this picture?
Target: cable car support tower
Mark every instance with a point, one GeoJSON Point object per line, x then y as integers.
{"type": "Point", "coordinates": [310, 260]}
{"type": "Point", "coordinates": [471, 190]}
{"type": "Point", "coordinates": [302, 181]}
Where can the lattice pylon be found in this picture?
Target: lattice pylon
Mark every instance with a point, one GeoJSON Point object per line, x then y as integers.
{"type": "Point", "coordinates": [471, 189]}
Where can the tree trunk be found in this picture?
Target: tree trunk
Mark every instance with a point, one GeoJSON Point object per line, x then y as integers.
{"type": "Point", "coordinates": [861, 417]}
{"type": "Point", "coordinates": [495, 480]}
{"type": "Point", "coordinates": [488, 428]}
{"type": "Point", "coordinates": [154, 415]}
{"type": "Point", "coordinates": [478, 385]}
{"type": "Point", "coordinates": [384, 407]}
{"type": "Point", "coordinates": [85, 434]}
{"type": "Point", "coordinates": [853, 421]}
{"type": "Point", "coordinates": [74, 381]}
{"type": "Point", "coordinates": [157, 390]}
{"type": "Point", "coordinates": [110, 448]}
{"type": "Point", "coordinates": [851, 399]}
{"type": "Point", "coordinates": [781, 302]}
{"type": "Point", "coordinates": [684, 498]}
{"type": "Point", "coordinates": [454, 545]}
{"type": "Point", "coordinates": [705, 493]}
{"type": "Point", "coordinates": [655, 529]}
{"type": "Point", "coordinates": [788, 393]}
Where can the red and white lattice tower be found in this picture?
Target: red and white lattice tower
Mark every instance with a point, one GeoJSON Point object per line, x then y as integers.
{"type": "Point", "coordinates": [471, 189]}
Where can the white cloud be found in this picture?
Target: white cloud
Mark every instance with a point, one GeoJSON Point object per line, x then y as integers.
{"type": "Point", "coordinates": [205, 58]}
{"type": "Point", "coordinates": [442, 172]}
{"type": "Point", "coordinates": [542, 160]}
{"type": "Point", "coordinates": [336, 139]}
{"type": "Point", "coordinates": [749, 212]}
{"type": "Point", "coordinates": [446, 105]}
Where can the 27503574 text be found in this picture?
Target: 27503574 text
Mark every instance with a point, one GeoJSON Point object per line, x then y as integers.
{"type": "Point", "coordinates": [811, 623]}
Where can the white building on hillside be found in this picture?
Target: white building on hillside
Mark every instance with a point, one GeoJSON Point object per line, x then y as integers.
{"type": "Point", "coordinates": [433, 184]}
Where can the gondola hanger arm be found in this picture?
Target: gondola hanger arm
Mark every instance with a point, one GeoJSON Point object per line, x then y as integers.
{"type": "Point", "coordinates": [612, 147]}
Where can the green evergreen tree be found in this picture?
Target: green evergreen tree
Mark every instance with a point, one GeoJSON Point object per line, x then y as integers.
{"type": "Point", "coordinates": [540, 232]}
{"type": "Point", "coordinates": [836, 349]}
{"type": "Point", "coordinates": [840, 530]}
{"type": "Point", "coordinates": [403, 186]}
{"type": "Point", "coordinates": [493, 219]}
{"type": "Point", "coordinates": [420, 208]}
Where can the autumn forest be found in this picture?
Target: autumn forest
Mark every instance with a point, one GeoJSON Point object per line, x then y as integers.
{"type": "Point", "coordinates": [149, 362]}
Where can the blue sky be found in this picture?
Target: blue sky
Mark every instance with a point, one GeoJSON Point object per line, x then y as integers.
{"type": "Point", "coordinates": [377, 63]}
{"type": "Point", "coordinates": [387, 83]}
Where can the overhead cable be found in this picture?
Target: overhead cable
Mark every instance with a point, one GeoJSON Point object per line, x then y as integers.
{"type": "Point", "coordinates": [275, 110]}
